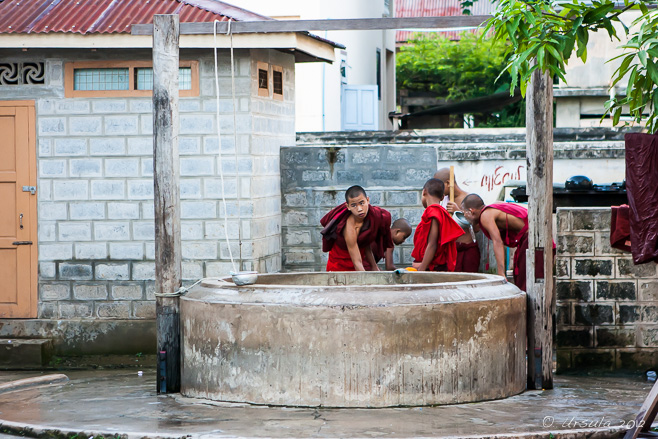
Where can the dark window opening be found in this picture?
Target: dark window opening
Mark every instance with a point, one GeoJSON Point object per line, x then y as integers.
{"type": "Point", "coordinates": [277, 82]}
{"type": "Point", "coordinates": [262, 79]}
{"type": "Point", "coordinates": [379, 74]}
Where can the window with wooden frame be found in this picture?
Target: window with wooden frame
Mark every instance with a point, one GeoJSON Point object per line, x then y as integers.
{"type": "Point", "coordinates": [277, 82]}
{"type": "Point", "coordinates": [263, 76]}
{"type": "Point", "coordinates": [123, 79]}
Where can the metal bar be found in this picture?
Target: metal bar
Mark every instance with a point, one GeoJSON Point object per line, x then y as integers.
{"type": "Point", "coordinates": [271, 26]}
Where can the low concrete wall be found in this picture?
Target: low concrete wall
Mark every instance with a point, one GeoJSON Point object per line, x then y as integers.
{"type": "Point", "coordinates": [74, 338]}
{"type": "Point", "coordinates": [393, 166]}
{"type": "Point", "coordinates": [607, 307]}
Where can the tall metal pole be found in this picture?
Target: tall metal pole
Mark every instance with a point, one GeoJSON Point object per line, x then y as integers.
{"type": "Point", "coordinates": [539, 155]}
{"type": "Point", "coordinates": [167, 199]}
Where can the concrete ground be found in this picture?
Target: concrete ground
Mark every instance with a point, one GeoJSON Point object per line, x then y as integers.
{"type": "Point", "coordinates": [122, 402]}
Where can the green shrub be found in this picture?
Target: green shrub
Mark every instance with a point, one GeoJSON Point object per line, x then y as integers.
{"type": "Point", "coordinates": [457, 71]}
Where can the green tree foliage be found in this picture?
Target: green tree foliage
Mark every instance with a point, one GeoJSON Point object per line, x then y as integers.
{"type": "Point", "coordinates": [543, 34]}
{"type": "Point", "coordinates": [640, 63]}
{"type": "Point", "coordinates": [457, 71]}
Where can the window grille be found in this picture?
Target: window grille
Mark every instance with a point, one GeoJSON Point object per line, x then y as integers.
{"type": "Point", "coordinates": [101, 79]}
{"type": "Point", "coordinates": [144, 78]}
{"type": "Point", "coordinates": [123, 78]}
{"type": "Point", "coordinates": [262, 78]}
{"type": "Point", "coordinates": [277, 82]}
{"type": "Point", "coordinates": [27, 73]}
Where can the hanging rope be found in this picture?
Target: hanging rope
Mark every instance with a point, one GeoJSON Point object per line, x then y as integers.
{"type": "Point", "coordinates": [219, 148]}
{"type": "Point", "coordinates": [235, 143]}
{"type": "Point", "coordinates": [180, 292]}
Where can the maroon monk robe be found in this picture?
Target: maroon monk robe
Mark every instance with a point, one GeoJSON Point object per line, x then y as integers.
{"type": "Point", "coordinates": [642, 192]}
{"type": "Point", "coordinates": [518, 240]}
{"type": "Point", "coordinates": [468, 257]}
{"type": "Point", "coordinates": [375, 230]}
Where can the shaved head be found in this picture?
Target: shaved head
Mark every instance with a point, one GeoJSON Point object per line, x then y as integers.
{"type": "Point", "coordinates": [442, 174]}
{"type": "Point", "coordinates": [473, 201]}
{"type": "Point", "coordinates": [434, 188]}
{"type": "Point", "coordinates": [403, 225]}
{"type": "Point", "coordinates": [400, 231]}
{"type": "Point", "coordinates": [354, 191]}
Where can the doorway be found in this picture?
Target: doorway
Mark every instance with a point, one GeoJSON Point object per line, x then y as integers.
{"type": "Point", "coordinates": [18, 210]}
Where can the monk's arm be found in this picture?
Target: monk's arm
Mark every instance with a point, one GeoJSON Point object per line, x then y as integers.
{"type": "Point", "coordinates": [371, 259]}
{"type": "Point", "coordinates": [432, 246]}
{"type": "Point", "coordinates": [388, 257]}
{"type": "Point", "coordinates": [352, 247]}
{"type": "Point", "coordinates": [488, 222]}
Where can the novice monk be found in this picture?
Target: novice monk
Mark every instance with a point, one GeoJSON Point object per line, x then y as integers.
{"type": "Point", "coordinates": [400, 231]}
{"type": "Point", "coordinates": [468, 252]}
{"type": "Point", "coordinates": [500, 220]}
{"type": "Point", "coordinates": [350, 230]}
{"type": "Point", "coordinates": [434, 240]}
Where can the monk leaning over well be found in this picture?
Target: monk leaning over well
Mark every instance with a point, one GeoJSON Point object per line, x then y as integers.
{"type": "Point", "coordinates": [434, 240]}
{"type": "Point", "coordinates": [400, 231]}
{"type": "Point", "coordinates": [506, 224]}
{"type": "Point", "coordinates": [350, 230]}
{"type": "Point", "coordinates": [468, 252]}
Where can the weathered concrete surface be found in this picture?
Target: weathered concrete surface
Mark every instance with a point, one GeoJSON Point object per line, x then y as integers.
{"type": "Point", "coordinates": [25, 353]}
{"type": "Point", "coordinates": [354, 339]}
{"type": "Point", "coordinates": [37, 381]}
{"type": "Point", "coordinates": [86, 337]}
{"type": "Point", "coordinates": [119, 402]}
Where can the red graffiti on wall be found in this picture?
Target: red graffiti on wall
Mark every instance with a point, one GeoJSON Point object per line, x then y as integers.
{"type": "Point", "coordinates": [499, 176]}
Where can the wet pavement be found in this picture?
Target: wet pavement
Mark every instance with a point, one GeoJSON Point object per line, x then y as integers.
{"type": "Point", "coordinates": [110, 402]}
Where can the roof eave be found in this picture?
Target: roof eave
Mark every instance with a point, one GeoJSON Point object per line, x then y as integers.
{"type": "Point", "coordinates": [309, 46]}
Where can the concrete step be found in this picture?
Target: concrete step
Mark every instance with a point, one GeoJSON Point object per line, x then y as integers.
{"type": "Point", "coordinates": [25, 353]}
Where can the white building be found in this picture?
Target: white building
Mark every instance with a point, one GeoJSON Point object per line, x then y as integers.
{"type": "Point", "coordinates": [358, 90]}
{"type": "Point", "coordinates": [580, 102]}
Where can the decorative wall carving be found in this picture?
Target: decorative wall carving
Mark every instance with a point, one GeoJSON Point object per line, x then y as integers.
{"type": "Point", "coordinates": [27, 73]}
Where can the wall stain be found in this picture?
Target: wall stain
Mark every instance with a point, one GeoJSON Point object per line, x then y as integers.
{"type": "Point", "coordinates": [332, 158]}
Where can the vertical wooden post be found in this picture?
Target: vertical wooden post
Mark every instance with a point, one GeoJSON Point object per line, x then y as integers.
{"type": "Point", "coordinates": [452, 184]}
{"type": "Point", "coordinates": [167, 198]}
{"type": "Point", "coordinates": [539, 155]}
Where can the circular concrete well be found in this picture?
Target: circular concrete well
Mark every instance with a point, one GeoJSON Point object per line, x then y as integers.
{"type": "Point", "coordinates": [374, 339]}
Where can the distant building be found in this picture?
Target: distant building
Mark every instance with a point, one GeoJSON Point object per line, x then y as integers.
{"type": "Point", "coordinates": [356, 92]}
{"type": "Point", "coordinates": [436, 8]}
{"type": "Point", "coordinates": [580, 102]}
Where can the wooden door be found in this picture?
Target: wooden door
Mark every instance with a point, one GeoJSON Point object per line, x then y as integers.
{"type": "Point", "coordinates": [18, 208]}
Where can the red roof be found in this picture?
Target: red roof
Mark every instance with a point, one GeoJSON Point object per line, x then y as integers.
{"type": "Point", "coordinates": [109, 16]}
{"type": "Point", "coordinates": [437, 8]}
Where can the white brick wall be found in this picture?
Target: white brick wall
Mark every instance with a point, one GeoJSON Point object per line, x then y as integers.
{"type": "Point", "coordinates": [96, 231]}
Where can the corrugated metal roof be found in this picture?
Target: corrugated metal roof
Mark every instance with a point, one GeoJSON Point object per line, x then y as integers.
{"type": "Point", "coordinates": [108, 16]}
{"type": "Point", "coordinates": [437, 8]}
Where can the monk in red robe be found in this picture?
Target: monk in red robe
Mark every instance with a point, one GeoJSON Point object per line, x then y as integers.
{"type": "Point", "coordinates": [506, 224]}
{"type": "Point", "coordinates": [435, 248]}
{"type": "Point", "coordinates": [351, 229]}
{"type": "Point", "coordinates": [468, 252]}
{"type": "Point", "coordinates": [400, 231]}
